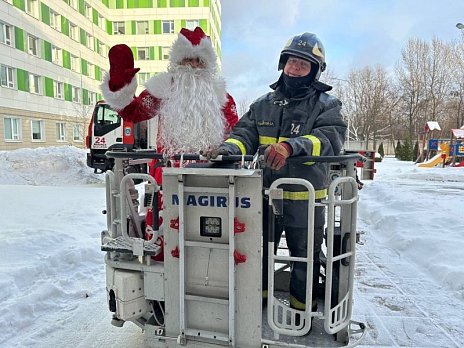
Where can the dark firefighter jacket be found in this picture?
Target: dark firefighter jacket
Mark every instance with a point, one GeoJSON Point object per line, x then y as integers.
{"type": "Point", "coordinates": [311, 124]}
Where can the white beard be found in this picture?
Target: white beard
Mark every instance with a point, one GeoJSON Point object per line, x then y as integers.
{"type": "Point", "coordinates": [191, 118]}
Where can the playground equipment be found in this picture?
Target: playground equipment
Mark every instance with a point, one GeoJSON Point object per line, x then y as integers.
{"type": "Point", "coordinates": [439, 158]}
{"type": "Point", "coordinates": [207, 292]}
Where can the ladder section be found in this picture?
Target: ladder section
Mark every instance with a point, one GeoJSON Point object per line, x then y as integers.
{"type": "Point", "coordinates": [186, 245]}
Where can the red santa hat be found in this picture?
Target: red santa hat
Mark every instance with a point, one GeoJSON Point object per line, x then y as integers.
{"type": "Point", "coordinates": [193, 44]}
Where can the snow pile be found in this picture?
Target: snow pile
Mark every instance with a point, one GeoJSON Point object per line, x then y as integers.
{"type": "Point", "coordinates": [418, 212]}
{"type": "Point", "coordinates": [51, 166]}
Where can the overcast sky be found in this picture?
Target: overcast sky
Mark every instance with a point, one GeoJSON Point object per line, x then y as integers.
{"type": "Point", "coordinates": [355, 33]}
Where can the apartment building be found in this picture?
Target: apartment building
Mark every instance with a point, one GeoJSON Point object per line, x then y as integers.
{"type": "Point", "coordinates": [54, 54]}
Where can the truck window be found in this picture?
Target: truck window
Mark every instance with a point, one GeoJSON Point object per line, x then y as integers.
{"type": "Point", "coordinates": [105, 119]}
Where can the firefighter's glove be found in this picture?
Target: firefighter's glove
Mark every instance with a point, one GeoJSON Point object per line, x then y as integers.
{"type": "Point", "coordinates": [275, 155]}
{"type": "Point", "coordinates": [122, 69]}
{"type": "Point", "coordinates": [214, 153]}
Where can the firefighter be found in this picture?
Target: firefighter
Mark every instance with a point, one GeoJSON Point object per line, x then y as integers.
{"type": "Point", "coordinates": [195, 111]}
{"type": "Point", "coordinates": [297, 118]}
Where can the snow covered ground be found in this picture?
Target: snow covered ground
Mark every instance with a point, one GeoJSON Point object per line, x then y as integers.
{"type": "Point", "coordinates": [410, 269]}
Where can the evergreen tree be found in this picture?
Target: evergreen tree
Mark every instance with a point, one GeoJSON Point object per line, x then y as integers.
{"type": "Point", "coordinates": [406, 151]}
{"type": "Point", "coordinates": [398, 149]}
{"type": "Point", "coordinates": [380, 150]}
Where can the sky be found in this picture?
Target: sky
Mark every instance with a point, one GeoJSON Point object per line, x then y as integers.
{"type": "Point", "coordinates": [409, 283]}
{"type": "Point", "coordinates": [355, 33]}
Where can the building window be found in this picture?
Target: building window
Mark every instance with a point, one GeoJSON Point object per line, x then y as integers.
{"type": "Point", "coordinates": [7, 76]}
{"type": "Point", "coordinates": [76, 94]}
{"type": "Point", "coordinates": [168, 27]}
{"type": "Point", "coordinates": [61, 131]}
{"type": "Point", "coordinates": [91, 70]}
{"type": "Point", "coordinates": [57, 55]}
{"type": "Point", "coordinates": [33, 45]}
{"type": "Point", "coordinates": [143, 53]}
{"type": "Point", "coordinates": [12, 128]}
{"type": "Point", "coordinates": [192, 24]}
{"type": "Point", "coordinates": [142, 27]}
{"type": "Point", "coordinates": [75, 63]}
{"type": "Point", "coordinates": [88, 11]}
{"type": "Point", "coordinates": [55, 20]}
{"type": "Point", "coordinates": [165, 53]}
{"type": "Point", "coordinates": [142, 78]}
{"type": "Point", "coordinates": [32, 8]}
{"type": "Point", "coordinates": [101, 22]}
{"type": "Point", "coordinates": [77, 132]}
{"type": "Point", "coordinates": [34, 84]}
{"type": "Point", "coordinates": [92, 98]}
{"type": "Point", "coordinates": [90, 43]}
{"type": "Point", "coordinates": [119, 28]}
{"type": "Point", "coordinates": [58, 88]}
{"type": "Point", "coordinates": [73, 31]}
{"type": "Point", "coordinates": [74, 4]}
{"type": "Point", "coordinates": [37, 128]}
{"type": "Point", "coordinates": [102, 49]}
{"type": "Point", "coordinates": [5, 34]}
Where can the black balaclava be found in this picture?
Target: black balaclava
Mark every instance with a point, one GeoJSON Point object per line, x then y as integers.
{"type": "Point", "coordinates": [297, 86]}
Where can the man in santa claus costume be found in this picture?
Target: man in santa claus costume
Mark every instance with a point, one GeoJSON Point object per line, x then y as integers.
{"type": "Point", "coordinates": [195, 111]}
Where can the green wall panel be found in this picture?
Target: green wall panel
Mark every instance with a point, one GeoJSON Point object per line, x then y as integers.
{"type": "Point", "coordinates": [47, 51]}
{"type": "Point", "coordinates": [145, 3]}
{"type": "Point", "coordinates": [204, 25]}
{"type": "Point", "coordinates": [66, 59]}
{"type": "Point", "coordinates": [157, 26]}
{"type": "Point", "coordinates": [45, 12]}
{"type": "Point", "coordinates": [22, 77]}
{"type": "Point", "coordinates": [85, 96]}
{"type": "Point", "coordinates": [109, 27]}
{"type": "Point", "coordinates": [98, 74]}
{"type": "Point", "coordinates": [95, 16]}
{"type": "Point", "coordinates": [65, 26]}
{"type": "Point", "coordinates": [82, 7]}
{"type": "Point", "coordinates": [119, 3]}
{"type": "Point", "coordinates": [49, 91]}
{"type": "Point", "coordinates": [83, 38]}
{"type": "Point", "coordinates": [177, 3]}
{"type": "Point", "coordinates": [106, 3]}
{"type": "Point", "coordinates": [84, 67]}
{"type": "Point", "coordinates": [162, 3]}
{"type": "Point", "coordinates": [132, 26]}
{"type": "Point", "coordinates": [20, 39]}
{"type": "Point", "coordinates": [152, 53]}
{"type": "Point", "coordinates": [67, 92]}
{"type": "Point", "coordinates": [194, 3]}
{"type": "Point", "coordinates": [21, 4]}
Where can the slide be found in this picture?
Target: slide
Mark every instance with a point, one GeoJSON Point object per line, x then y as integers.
{"type": "Point", "coordinates": [431, 162]}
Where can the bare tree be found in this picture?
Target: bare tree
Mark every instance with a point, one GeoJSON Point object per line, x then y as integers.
{"type": "Point", "coordinates": [368, 102]}
{"type": "Point", "coordinates": [411, 76]}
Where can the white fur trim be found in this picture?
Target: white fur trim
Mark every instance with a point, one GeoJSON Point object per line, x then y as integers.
{"type": "Point", "coordinates": [119, 99]}
{"type": "Point", "coordinates": [183, 48]}
{"type": "Point", "coordinates": [220, 88]}
{"type": "Point", "coordinates": [159, 85]}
